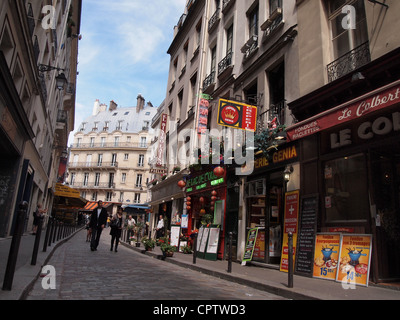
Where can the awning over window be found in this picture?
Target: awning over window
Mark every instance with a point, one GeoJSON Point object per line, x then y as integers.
{"type": "Point", "coordinates": [91, 205]}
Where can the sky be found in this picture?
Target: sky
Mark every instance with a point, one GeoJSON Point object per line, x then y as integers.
{"type": "Point", "coordinates": [123, 52]}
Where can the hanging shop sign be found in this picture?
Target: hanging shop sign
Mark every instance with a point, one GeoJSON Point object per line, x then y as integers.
{"type": "Point", "coordinates": [237, 115]}
{"type": "Point", "coordinates": [203, 116]}
{"type": "Point", "coordinates": [326, 255]}
{"type": "Point", "coordinates": [290, 225]}
{"type": "Point", "coordinates": [203, 181]}
{"type": "Point", "coordinates": [162, 140]}
{"type": "Point", "coordinates": [354, 259]}
{"type": "Point", "coordinates": [384, 98]}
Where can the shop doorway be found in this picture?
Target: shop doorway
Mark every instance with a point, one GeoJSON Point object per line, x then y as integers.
{"type": "Point", "coordinates": [274, 211]}
{"type": "Point", "coordinates": [385, 174]}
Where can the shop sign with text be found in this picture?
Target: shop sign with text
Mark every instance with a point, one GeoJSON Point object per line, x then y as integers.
{"type": "Point", "coordinates": [237, 115]}
{"type": "Point", "coordinates": [348, 112]}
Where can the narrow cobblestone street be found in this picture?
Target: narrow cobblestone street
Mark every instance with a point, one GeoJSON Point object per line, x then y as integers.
{"type": "Point", "coordinates": [104, 275]}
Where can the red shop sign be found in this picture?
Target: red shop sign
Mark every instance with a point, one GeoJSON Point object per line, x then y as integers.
{"type": "Point", "coordinates": [237, 115]}
{"type": "Point", "coordinates": [371, 102]}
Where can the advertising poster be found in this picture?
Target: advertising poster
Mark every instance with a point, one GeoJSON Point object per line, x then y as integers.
{"type": "Point", "coordinates": [326, 256]}
{"type": "Point", "coordinates": [290, 225]}
{"type": "Point", "coordinates": [355, 259]}
{"type": "Point", "coordinates": [251, 241]}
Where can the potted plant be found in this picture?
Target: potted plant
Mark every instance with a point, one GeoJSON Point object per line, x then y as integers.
{"type": "Point", "coordinates": [154, 181]}
{"type": "Point", "coordinates": [131, 240]}
{"type": "Point", "coordinates": [149, 244]}
{"type": "Point", "coordinates": [167, 249]}
{"type": "Point", "coordinates": [187, 249]}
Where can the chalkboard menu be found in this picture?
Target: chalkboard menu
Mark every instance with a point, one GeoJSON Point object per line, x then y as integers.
{"type": "Point", "coordinates": [306, 235]}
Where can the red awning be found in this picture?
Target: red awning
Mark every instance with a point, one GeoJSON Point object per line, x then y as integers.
{"type": "Point", "coordinates": [357, 108]}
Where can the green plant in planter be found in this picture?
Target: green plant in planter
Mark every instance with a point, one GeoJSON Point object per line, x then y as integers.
{"type": "Point", "coordinates": [187, 250]}
{"type": "Point", "coordinates": [207, 219]}
{"type": "Point", "coordinates": [267, 140]}
{"type": "Point", "coordinates": [148, 243]}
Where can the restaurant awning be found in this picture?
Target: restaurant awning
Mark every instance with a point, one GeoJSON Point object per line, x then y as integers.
{"type": "Point", "coordinates": [91, 205]}
{"type": "Point", "coordinates": [68, 197]}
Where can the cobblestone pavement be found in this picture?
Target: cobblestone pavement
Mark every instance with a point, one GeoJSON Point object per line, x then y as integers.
{"type": "Point", "coordinates": [128, 275]}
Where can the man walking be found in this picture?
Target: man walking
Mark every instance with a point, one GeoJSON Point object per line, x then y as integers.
{"type": "Point", "coordinates": [97, 224]}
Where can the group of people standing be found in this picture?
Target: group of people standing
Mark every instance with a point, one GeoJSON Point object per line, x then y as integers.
{"type": "Point", "coordinates": [98, 221]}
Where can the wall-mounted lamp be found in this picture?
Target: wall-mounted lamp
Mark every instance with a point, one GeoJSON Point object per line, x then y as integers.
{"type": "Point", "coordinates": [61, 80]}
{"type": "Point", "coordinates": [237, 185]}
{"type": "Point", "coordinates": [286, 174]}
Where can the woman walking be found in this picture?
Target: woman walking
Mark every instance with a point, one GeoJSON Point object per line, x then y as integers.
{"type": "Point", "coordinates": [116, 229]}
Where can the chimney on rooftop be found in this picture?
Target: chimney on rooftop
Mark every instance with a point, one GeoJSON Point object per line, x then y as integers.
{"type": "Point", "coordinates": [113, 106]}
{"type": "Point", "coordinates": [140, 103]}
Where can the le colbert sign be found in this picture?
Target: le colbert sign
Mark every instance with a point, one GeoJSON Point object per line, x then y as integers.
{"type": "Point", "coordinates": [372, 102]}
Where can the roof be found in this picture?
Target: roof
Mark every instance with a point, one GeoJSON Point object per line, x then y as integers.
{"type": "Point", "coordinates": [128, 118]}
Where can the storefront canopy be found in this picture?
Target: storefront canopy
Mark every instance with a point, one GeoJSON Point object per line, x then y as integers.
{"type": "Point", "coordinates": [68, 196]}
{"type": "Point", "coordinates": [91, 205]}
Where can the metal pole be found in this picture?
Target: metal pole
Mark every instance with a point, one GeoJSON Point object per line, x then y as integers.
{"type": "Point", "coordinates": [194, 248]}
{"type": "Point", "coordinates": [290, 259]}
{"type": "Point", "coordinates": [51, 230]}
{"type": "Point", "coordinates": [46, 237]}
{"type": "Point", "coordinates": [230, 252]}
{"type": "Point", "coordinates": [37, 241]}
{"type": "Point", "coordinates": [14, 248]}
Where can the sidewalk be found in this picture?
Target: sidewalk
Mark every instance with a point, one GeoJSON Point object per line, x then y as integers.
{"type": "Point", "coordinates": [274, 281]}
{"type": "Point", "coordinates": [25, 273]}
{"type": "Point", "coordinates": [260, 278]}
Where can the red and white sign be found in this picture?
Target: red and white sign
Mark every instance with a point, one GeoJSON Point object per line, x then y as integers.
{"type": "Point", "coordinates": [379, 99]}
{"type": "Point", "coordinates": [237, 115]}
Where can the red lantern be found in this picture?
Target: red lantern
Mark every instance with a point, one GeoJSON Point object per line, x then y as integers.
{"type": "Point", "coordinates": [188, 199]}
{"type": "Point", "coordinates": [181, 184]}
{"type": "Point", "coordinates": [214, 193]}
{"type": "Point", "coordinates": [188, 207]}
{"type": "Point", "coordinates": [201, 200]}
{"type": "Point", "coordinates": [202, 211]}
{"type": "Point", "coordinates": [219, 171]}
{"type": "Point", "coordinates": [213, 198]}
{"type": "Point", "coordinates": [212, 204]}
{"type": "Point", "coordinates": [188, 203]}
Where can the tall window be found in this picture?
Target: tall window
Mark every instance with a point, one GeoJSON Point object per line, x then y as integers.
{"type": "Point", "coordinates": [114, 160]}
{"type": "Point", "coordinates": [139, 180]}
{"type": "Point", "coordinates": [137, 198]}
{"type": "Point", "coordinates": [141, 160]}
{"type": "Point", "coordinates": [143, 142]}
{"type": "Point", "coordinates": [213, 59]}
{"type": "Point", "coordinates": [100, 160]}
{"type": "Point", "coordinates": [348, 25]}
{"type": "Point", "coordinates": [229, 40]}
{"type": "Point", "coordinates": [273, 5]}
{"type": "Point", "coordinates": [73, 176]}
{"type": "Point", "coordinates": [85, 179]}
{"type": "Point", "coordinates": [253, 22]}
{"type": "Point", "coordinates": [123, 178]}
{"type": "Point", "coordinates": [97, 179]}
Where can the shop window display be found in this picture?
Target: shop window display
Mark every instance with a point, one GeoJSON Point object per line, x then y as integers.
{"type": "Point", "coordinates": [346, 189]}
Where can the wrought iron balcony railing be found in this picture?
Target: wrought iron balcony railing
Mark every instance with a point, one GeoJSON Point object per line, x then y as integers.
{"type": "Point", "coordinates": [349, 62]}
{"type": "Point", "coordinates": [225, 63]}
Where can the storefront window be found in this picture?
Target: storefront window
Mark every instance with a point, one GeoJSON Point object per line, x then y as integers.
{"type": "Point", "coordinates": [346, 190]}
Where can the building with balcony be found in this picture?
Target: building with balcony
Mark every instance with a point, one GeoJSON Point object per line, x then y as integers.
{"type": "Point", "coordinates": [38, 112]}
{"type": "Point", "coordinates": [109, 158]}
{"type": "Point", "coordinates": [348, 129]}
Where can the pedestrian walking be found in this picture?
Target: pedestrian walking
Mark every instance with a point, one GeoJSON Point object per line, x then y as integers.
{"type": "Point", "coordinates": [88, 229]}
{"type": "Point", "coordinates": [130, 226]}
{"type": "Point", "coordinates": [116, 229]}
{"type": "Point", "coordinates": [97, 223]}
{"type": "Point", "coordinates": [39, 212]}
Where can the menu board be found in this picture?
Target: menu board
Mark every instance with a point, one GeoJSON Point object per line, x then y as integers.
{"type": "Point", "coordinates": [306, 236]}
{"type": "Point", "coordinates": [355, 259]}
{"type": "Point", "coordinates": [175, 232]}
{"type": "Point", "coordinates": [212, 245]}
{"type": "Point", "coordinates": [251, 241]}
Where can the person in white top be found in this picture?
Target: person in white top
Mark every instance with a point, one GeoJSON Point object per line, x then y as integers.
{"type": "Point", "coordinates": [160, 227]}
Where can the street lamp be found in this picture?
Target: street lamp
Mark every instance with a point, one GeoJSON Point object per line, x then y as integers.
{"type": "Point", "coordinates": [61, 80]}
{"type": "Point", "coordinates": [286, 174]}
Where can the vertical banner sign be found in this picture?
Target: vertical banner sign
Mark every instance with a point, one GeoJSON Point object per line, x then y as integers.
{"type": "Point", "coordinates": [237, 115]}
{"type": "Point", "coordinates": [326, 255]}
{"type": "Point", "coordinates": [162, 140]}
{"type": "Point", "coordinates": [203, 116]}
{"type": "Point", "coordinates": [290, 225]}
{"type": "Point", "coordinates": [355, 259]}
